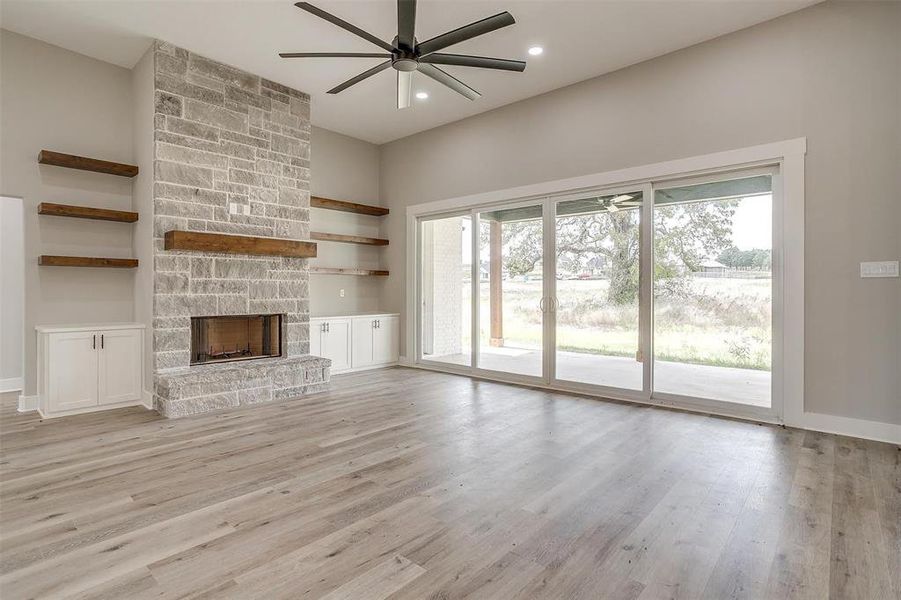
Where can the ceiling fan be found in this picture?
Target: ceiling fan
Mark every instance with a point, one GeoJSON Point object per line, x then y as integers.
{"type": "Point", "coordinates": [406, 54]}
{"type": "Point", "coordinates": [614, 203]}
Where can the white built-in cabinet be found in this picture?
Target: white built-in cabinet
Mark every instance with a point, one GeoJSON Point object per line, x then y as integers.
{"type": "Point", "coordinates": [84, 368]}
{"type": "Point", "coordinates": [356, 342]}
{"type": "Point", "coordinates": [330, 338]}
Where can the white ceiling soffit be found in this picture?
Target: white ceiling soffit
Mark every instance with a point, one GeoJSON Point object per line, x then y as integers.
{"type": "Point", "coordinates": [582, 39]}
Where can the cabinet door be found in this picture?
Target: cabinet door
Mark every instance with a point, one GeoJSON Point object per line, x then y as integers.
{"type": "Point", "coordinates": [385, 340]}
{"type": "Point", "coordinates": [363, 329]}
{"type": "Point", "coordinates": [72, 370]}
{"type": "Point", "coordinates": [316, 328]}
{"type": "Point", "coordinates": [120, 365]}
{"type": "Point", "coordinates": [336, 343]}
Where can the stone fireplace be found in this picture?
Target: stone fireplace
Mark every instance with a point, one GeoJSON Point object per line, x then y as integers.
{"type": "Point", "coordinates": [231, 156]}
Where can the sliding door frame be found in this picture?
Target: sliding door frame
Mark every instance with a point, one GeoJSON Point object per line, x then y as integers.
{"type": "Point", "coordinates": [787, 400]}
{"type": "Point", "coordinates": [775, 410]}
{"type": "Point", "coordinates": [645, 341]}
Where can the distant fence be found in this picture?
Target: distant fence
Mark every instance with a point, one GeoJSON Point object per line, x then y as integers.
{"type": "Point", "coordinates": [733, 274]}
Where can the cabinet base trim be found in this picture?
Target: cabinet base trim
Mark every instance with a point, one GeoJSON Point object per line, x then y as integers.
{"type": "Point", "coordinates": [91, 409]}
{"type": "Point", "coordinates": [29, 403]}
{"type": "Point", "coordinates": [366, 368]}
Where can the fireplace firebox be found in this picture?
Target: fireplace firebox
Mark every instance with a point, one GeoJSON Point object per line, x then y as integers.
{"type": "Point", "coordinates": [229, 338]}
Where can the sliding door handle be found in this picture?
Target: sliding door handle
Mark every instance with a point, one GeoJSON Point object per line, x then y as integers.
{"type": "Point", "coordinates": [94, 342]}
{"type": "Point", "coordinates": [101, 341]}
{"type": "Point", "coordinates": [541, 304]}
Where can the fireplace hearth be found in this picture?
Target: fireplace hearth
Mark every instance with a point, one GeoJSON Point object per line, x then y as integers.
{"type": "Point", "coordinates": [231, 338]}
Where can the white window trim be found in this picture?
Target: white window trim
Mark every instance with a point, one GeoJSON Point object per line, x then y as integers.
{"type": "Point", "coordinates": [789, 155]}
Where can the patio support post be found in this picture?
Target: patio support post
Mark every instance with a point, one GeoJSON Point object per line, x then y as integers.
{"type": "Point", "coordinates": [496, 290]}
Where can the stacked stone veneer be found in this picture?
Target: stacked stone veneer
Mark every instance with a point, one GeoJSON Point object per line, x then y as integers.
{"type": "Point", "coordinates": [225, 137]}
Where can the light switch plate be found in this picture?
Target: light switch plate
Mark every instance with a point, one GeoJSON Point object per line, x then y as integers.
{"type": "Point", "coordinates": [885, 268]}
{"type": "Point", "coordinates": [247, 210]}
{"type": "Point", "coordinates": [233, 208]}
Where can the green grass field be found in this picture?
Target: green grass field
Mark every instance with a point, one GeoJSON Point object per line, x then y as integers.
{"type": "Point", "coordinates": [722, 322]}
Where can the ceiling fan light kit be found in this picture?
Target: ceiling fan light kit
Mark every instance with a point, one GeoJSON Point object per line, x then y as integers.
{"type": "Point", "coordinates": [407, 55]}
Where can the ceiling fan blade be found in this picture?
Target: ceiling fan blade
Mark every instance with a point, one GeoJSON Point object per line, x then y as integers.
{"type": "Point", "coordinates": [461, 34]}
{"type": "Point", "coordinates": [344, 25]}
{"type": "Point", "coordinates": [406, 24]}
{"type": "Point", "coordinates": [464, 60]}
{"type": "Point", "coordinates": [448, 80]}
{"type": "Point", "coordinates": [354, 80]}
{"type": "Point", "coordinates": [404, 89]}
{"type": "Point", "coordinates": [334, 55]}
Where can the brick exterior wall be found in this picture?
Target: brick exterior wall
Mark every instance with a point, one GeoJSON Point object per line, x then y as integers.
{"type": "Point", "coordinates": [224, 136]}
{"type": "Point", "coordinates": [446, 290]}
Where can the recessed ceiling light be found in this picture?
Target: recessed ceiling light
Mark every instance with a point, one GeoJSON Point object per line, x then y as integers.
{"type": "Point", "coordinates": [422, 95]}
{"type": "Point", "coordinates": [536, 50]}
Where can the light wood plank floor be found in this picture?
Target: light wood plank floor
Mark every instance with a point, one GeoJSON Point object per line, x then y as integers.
{"type": "Point", "coordinates": [409, 484]}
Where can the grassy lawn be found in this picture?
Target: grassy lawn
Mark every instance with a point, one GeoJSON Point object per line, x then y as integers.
{"type": "Point", "coordinates": [722, 322]}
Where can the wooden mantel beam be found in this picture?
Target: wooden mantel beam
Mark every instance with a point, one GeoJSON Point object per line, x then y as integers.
{"type": "Point", "coordinates": [201, 241]}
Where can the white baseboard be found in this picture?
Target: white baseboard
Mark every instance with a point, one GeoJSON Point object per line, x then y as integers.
{"type": "Point", "coordinates": [12, 384]}
{"type": "Point", "coordinates": [366, 368]}
{"type": "Point", "coordinates": [859, 428]}
{"type": "Point", "coordinates": [29, 403]}
{"type": "Point", "coordinates": [147, 399]}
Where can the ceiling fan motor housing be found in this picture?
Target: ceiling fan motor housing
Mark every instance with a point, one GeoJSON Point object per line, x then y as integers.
{"type": "Point", "coordinates": [403, 59]}
{"type": "Point", "coordinates": [405, 64]}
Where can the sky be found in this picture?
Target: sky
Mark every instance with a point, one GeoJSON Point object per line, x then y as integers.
{"type": "Point", "coordinates": [752, 225]}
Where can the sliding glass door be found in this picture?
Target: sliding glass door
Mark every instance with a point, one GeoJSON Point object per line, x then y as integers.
{"type": "Point", "coordinates": [445, 258]}
{"type": "Point", "coordinates": [598, 283]}
{"type": "Point", "coordinates": [512, 299]}
{"type": "Point", "coordinates": [657, 291]}
{"type": "Point", "coordinates": [713, 289]}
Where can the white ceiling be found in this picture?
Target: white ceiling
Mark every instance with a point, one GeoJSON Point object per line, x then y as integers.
{"type": "Point", "coordinates": [582, 39]}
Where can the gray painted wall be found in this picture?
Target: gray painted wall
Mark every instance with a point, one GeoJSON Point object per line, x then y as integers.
{"type": "Point", "coordinates": [12, 292]}
{"type": "Point", "coordinates": [831, 73]}
{"type": "Point", "coordinates": [344, 168]}
{"type": "Point", "coordinates": [142, 91]}
{"type": "Point", "coordinates": [59, 100]}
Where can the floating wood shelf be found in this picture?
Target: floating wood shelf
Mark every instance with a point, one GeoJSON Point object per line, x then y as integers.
{"type": "Point", "coordinates": [71, 161]}
{"type": "Point", "coordinates": [87, 261]}
{"type": "Point", "coordinates": [341, 205]}
{"type": "Point", "coordinates": [86, 212]}
{"type": "Point", "coordinates": [333, 271]}
{"type": "Point", "coordinates": [237, 244]}
{"type": "Point", "coordinates": [349, 239]}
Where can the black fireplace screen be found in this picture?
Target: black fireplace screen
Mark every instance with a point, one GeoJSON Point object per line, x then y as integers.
{"type": "Point", "coordinates": [245, 337]}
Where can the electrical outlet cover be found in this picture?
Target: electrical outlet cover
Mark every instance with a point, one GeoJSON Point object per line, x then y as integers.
{"type": "Point", "coordinates": [885, 268]}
